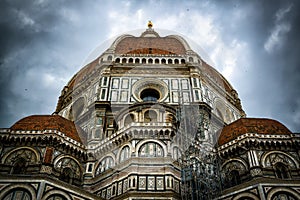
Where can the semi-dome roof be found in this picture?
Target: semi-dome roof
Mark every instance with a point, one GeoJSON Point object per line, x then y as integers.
{"type": "Point", "coordinates": [251, 125]}
{"type": "Point", "coordinates": [48, 122]}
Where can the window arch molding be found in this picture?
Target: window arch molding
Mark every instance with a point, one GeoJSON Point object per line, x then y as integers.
{"type": "Point", "coordinates": [37, 154]}
{"type": "Point", "coordinates": [139, 145]}
{"type": "Point", "coordinates": [76, 172]}
{"type": "Point", "coordinates": [65, 156]}
{"type": "Point", "coordinates": [282, 170]}
{"type": "Point", "coordinates": [56, 192]}
{"type": "Point", "coordinates": [98, 164]}
{"type": "Point", "coordinates": [246, 194]}
{"type": "Point", "coordinates": [126, 118]}
{"type": "Point", "coordinates": [150, 115]}
{"type": "Point", "coordinates": [233, 170]}
{"type": "Point", "coordinates": [277, 190]}
{"type": "Point", "coordinates": [244, 163]}
{"type": "Point", "coordinates": [128, 145]}
{"type": "Point", "coordinates": [263, 160]}
{"type": "Point", "coordinates": [5, 191]}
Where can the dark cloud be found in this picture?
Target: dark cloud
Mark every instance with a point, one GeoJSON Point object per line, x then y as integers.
{"type": "Point", "coordinates": [43, 43]}
{"type": "Point", "coordinates": [270, 86]}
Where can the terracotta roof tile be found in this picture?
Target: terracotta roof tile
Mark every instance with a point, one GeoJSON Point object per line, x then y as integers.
{"type": "Point", "coordinates": [251, 125]}
{"type": "Point", "coordinates": [49, 122]}
{"type": "Point", "coordinates": [158, 44]}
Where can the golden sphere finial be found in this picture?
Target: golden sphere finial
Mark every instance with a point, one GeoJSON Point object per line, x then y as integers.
{"type": "Point", "coordinates": [150, 24]}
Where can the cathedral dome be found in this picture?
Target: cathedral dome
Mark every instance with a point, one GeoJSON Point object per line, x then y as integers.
{"type": "Point", "coordinates": [251, 125]}
{"type": "Point", "coordinates": [48, 122]}
{"type": "Point", "coordinates": [154, 51]}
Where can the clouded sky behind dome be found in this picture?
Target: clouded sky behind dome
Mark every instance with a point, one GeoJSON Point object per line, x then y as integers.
{"type": "Point", "coordinates": [254, 44]}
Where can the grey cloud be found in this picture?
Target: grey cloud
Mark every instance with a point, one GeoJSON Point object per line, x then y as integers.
{"type": "Point", "coordinates": [43, 39]}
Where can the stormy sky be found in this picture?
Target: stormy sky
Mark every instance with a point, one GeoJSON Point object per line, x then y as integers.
{"type": "Point", "coordinates": [255, 44]}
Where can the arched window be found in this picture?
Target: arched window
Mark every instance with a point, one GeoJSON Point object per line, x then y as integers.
{"type": "Point", "coordinates": [245, 198]}
{"type": "Point", "coordinates": [150, 116]}
{"type": "Point", "coordinates": [283, 196]}
{"type": "Point", "coordinates": [67, 175]}
{"type": "Point", "coordinates": [21, 159]}
{"type": "Point", "coordinates": [150, 61]}
{"type": "Point", "coordinates": [109, 58]}
{"type": "Point", "coordinates": [150, 94]}
{"type": "Point", "coordinates": [129, 118]}
{"type": "Point", "coordinates": [191, 59]}
{"type": "Point", "coordinates": [281, 171]}
{"type": "Point", "coordinates": [176, 61]}
{"type": "Point", "coordinates": [137, 60]}
{"type": "Point", "coordinates": [117, 60]}
{"type": "Point", "coordinates": [69, 169]}
{"type": "Point", "coordinates": [19, 166]}
{"type": "Point", "coordinates": [125, 153]}
{"type": "Point", "coordinates": [151, 149]}
{"type": "Point", "coordinates": [19, 194]}
{"type": "Point", "coordinates": [56, 197]}
{"type": "Point", "coordinates": [130, 60]}
{"type": "Point", "coordinates": [105, 164]}
{"type": "Point", "coordinates": [235, 178]}
{"type": "Point", "coordinates": [182, 61]}
{"type": "Point", "coordinates": [124, 60]}
{"type": "Point", "coordinates": [144, 60]}
{"type": "Point", "coordinates": [163, 61]}
{"type": "Point", "coordinates": [170, 61]}
{"type": "Point", "coordinates": [156, 61]}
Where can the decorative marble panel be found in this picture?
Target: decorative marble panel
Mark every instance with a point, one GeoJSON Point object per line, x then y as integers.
{"type": "Point", "coordinates": [175, 84]}
{"type": "Point", "coordinates": [151, 182]}
{"type": "Point", "coordinates": [120, 188]}
{"type": "Point", "coordinates": [142, 182]}
{"type": "Point", "coordinates": [108, 193]}
{"type": "Point", "coordinates": [114, 95]}
{"type": "Point", "coordinates": [186, 97]}
{"type": "Point", "coordinates": [115, 83]}
{"type": "Point", "coordinates": [160, 183]}
{"type": "Point", "coordinates": [125, 185]}
{"type": "Point", "coordinates": [184, 84]}
{"type": "Point", "coordinates": [125, 83]}
{"type": "Point", "coordinates": [175, 97]}
{"type": "Point", "coordinates": [124, 96]}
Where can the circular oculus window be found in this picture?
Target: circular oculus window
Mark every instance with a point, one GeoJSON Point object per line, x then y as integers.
{"type": "Point", "coordinates": [150, 90]}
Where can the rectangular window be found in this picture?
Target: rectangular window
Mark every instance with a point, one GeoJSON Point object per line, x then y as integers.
{"type": "Point", "coordinates": [104, 81]}
{"type": "Point", "coordinates": [195, 82]}
{"type": "Point", "coordinates": [90, 167]}
{"type": "Point", "coordinates": [103, 94]}
{"type": "Point", "coordinates": [197, 95]}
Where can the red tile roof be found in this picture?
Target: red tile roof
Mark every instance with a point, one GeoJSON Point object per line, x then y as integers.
{"type": "Point", "coordinates": [159, 45]}
{"type": "Point", "coordinates": [49, 122]}
{"type": "Point", "coordinates": [251, 125]}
